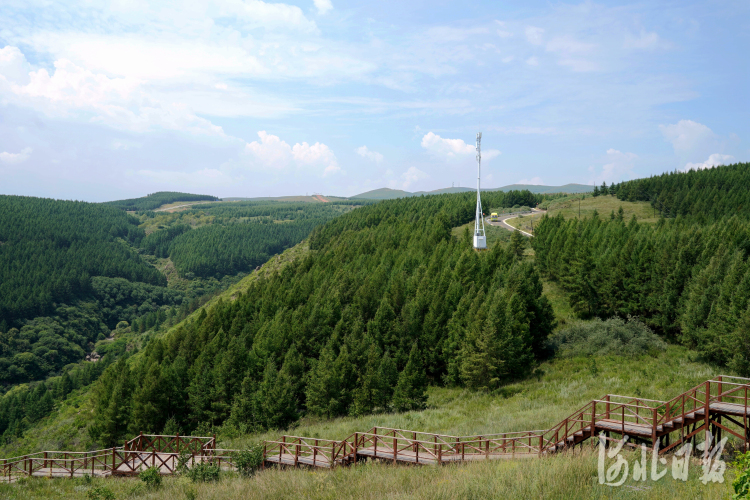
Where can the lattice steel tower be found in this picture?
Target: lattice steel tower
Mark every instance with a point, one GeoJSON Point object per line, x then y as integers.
{"type": "Point", "coordinates": [480, 241]}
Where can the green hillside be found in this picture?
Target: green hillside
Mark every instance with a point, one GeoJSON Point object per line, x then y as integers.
{"type": "Point", "coordinates": [85, 279]}
{"type": "Point", "coordinates": [155, 200]}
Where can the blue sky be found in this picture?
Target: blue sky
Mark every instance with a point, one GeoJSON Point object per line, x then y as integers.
{"type": "Point", "coordinates": [106, 100]}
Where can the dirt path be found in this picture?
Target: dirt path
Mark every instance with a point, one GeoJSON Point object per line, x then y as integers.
{"type": "Point", "coordinates": [507, 226]}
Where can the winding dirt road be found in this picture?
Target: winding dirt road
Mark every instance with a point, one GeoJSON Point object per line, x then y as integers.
{"type": "Point", "coordinates": [507, 226]}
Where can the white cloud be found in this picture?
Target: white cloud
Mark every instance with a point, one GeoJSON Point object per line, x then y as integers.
{"type": "Point", "coordinates": [534, 35]}
{"type": "Point", "coordinates": [489, 154]}
{"type": "Point", "coordinates": [412, 175]}
{"type": "Point", "coordinates": [74, 92]}
{"type": "Point", "coordinates": [507, 59]}
{"type": "Point", "coordinates": [532, 61]}
{"type": "Point", "coordinates": [619, 167]}
{"type": "Point", "coordinates": [13, 65]}
{"type": "Point", "coordinates": [446, 147]}
{"type": "Point", "coordinates": [714, 160]}
{"type": "Point", "coordinates": [323, 6]}
{"type": "Point", "coordinates": [686, 135]}
{"type": "Point", "coordinates": [13, 158]}
{"type": "Point", "coordinates": [454, 148]}
{"type": "Point", "coordinates": [272, 152]}
{"type": "Point", "coordinates": [370, 155]}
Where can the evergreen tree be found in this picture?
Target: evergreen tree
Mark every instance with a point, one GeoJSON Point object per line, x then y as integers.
{"type": "Point", "coordinates": [275, 406]}
{"type": "Point", "coordinates": [411, 389]}
{"type": "Point", "coordinates": [517, 244]}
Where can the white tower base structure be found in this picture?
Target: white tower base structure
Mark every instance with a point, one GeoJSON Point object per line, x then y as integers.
{"type": "Point", "coordinates": [480, 240]}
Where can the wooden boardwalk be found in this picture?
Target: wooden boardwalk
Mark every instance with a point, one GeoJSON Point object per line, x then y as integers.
{"type": "Point", "coordinates": [712, 409]}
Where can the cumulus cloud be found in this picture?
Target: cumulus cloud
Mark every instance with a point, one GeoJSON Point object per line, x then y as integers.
{"type": "Point", "coordinates": [13, 65]}
{"type": "Point", "coordinates": [446, 147]}
{"type": "Point", "coordinates": [272, 152]}
{"type": "Point", "coordinates": [14, 158]}
{"type": "Point", "coordinates": [534, 35]}
{"type": "Point", "coordinates": [364, 152]}
{"type": "Point", "coordinates": [620, 165]}
{"type": "Point", "coordinates": [412, 175]}
{"type": "Point", "coordinates": [454, 148]}
{"type": "Point", "coordinates": [323, 6]}
{"type": "Point", "coordinates": [74, 92]}
{"type": "Point", "coordinates": [532, 61]}
{"type": "Point", "coordinates": [687, 136]}
{"type": "Point", "coordinates": [714, 160]}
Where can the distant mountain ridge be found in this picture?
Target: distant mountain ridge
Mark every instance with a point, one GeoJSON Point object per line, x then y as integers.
{"type": "Point", "coordinates": [389, 194]}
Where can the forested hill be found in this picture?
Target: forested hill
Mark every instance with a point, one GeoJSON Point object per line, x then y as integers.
{"type": "Point", "coordinates": [49, 249]}
{"type": "Point", "coordinates": [386, 301]}
{"type": "Point", "coordinates": [688, 277]}
{"type": "Point", "coordinates": [707, 194]}
{"type": "Point", "coordinates": [155, 200]}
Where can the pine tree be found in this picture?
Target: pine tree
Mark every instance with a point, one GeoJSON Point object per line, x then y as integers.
{"type": "Point", "coordinates": [517, 244]}
{"type": "Point", "coordinates": [411, 389]}
{"type": "Point", "coordinates": [367, 395]}
{"type": "Point", "coordinates": [275, 406]}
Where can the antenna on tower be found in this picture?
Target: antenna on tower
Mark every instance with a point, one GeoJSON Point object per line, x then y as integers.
{"type": "Point", "coordinates": [480, 241]}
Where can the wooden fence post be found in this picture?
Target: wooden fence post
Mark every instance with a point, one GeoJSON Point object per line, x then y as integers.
{"type": "Point", "coordinates": [593, 422]}
{"type": "Point", "coordinates": [395, 447]}
{"type": "Point", "coordinates": [653, 428]}
{"type": "Point", "coordinates": [707, 432]}
{"type": "Point", "coordinates": [333, 455]}
{"type": "Point", "coordinates": [541, 444]}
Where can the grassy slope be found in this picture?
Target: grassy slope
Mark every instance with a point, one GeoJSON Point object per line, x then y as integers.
{"type": "Point", "coordinates": [568, 207]}
{"type": "Point", "coordinates": [532, 404]}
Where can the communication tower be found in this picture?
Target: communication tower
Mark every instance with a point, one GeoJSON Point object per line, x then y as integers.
{"type": "Point", "coordinates": [480, 241]}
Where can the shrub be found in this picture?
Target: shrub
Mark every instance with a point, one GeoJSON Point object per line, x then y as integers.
{"type": "Point", "coordinates": [100, 493]}
{"type": "Point", "coordinates": [741, 483]}
{"type": "Point", "coordinates": [249, 461]}
{"type": "Point", "coordinates": [151, 477]}
{"type": "Point", "coordinates": [614, 336]}
{"type": "Point", "coordinates": [203, 472]}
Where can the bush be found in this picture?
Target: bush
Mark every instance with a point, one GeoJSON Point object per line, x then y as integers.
{"type": "Point", "coordinates": [151, 477]}
{"type": "Point", "coordinates": [249, 461]}
{"type": "Point", "coordinates": [203, 472]}
{"type": "Point", "coordinates": [614, 336]}
{"type": "Point", "coordinates": [741, 483]}
{"type": "Point", "coordinates": [100, 493]}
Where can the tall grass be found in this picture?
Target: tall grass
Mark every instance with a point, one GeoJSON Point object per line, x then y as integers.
{"type": "Point", "coordinates": [571, 476]}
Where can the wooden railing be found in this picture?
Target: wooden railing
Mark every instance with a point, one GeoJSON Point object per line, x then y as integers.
{"type": "Point", "coordinates": [714, 405]}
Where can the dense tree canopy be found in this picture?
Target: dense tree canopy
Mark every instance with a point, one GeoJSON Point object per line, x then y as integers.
{"type": "Point", "coordinates": [49, 249]}
{"type": "Point", "coordinates": [386, 301]}
{"type": "Point", "coordinates": [707, 194]}
{"type": "Point", "coordinates": [688, 277]}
